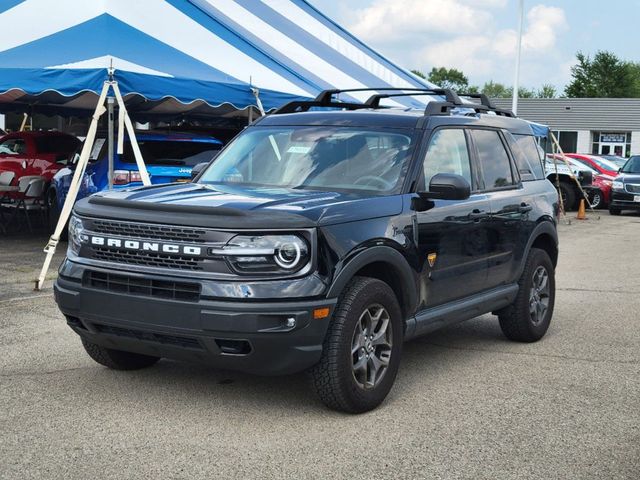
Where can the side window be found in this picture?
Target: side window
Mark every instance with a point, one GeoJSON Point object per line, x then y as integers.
{"type": "Point", "coordinates": [13, 146]}
{"type": "Point", "coordinates": [447, 153]}
{"type": "Point", "coordinates": [494, 159]}
{"type": "Point", "coordinates": [531, 155]}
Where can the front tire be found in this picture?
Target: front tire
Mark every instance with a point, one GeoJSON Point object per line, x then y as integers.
{"type": "Point", "coordinates": [362, 348]}
{"type": "Point", "coordinates": [117, 359]}
{"type": "Point", "coordinates": [568, 196]}
{"type": "Point", "coordinates": [527, 318]}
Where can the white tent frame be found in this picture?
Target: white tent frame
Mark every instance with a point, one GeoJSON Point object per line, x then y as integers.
{"type": "Point", "coordinates": [123, 122]}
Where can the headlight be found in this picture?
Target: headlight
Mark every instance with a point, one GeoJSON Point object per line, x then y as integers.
{"type": "Point", "coordinates": [266, 253]}
{"type": "Point", "coordinates": [76, 234]}
{"type": "Point", "coordinates": [606, 182]}
{"type": "Point", "coordinates": [617, 185]}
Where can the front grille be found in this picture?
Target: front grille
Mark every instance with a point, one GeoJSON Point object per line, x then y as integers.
{"type": "Point", "coordinates": [633, 188]}
{"type": "Point", "coordinates": [147, 287]}
{"type": "Point", "coordinates": [178, 341]}
{"type": "Point", "coordinates": [147, 259]}
{"type": "Point", "coordinates": [150, 231]}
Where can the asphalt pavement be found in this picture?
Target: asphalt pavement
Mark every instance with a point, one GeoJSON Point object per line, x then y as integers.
{"type": "Point", "coordinates": [467, 403]}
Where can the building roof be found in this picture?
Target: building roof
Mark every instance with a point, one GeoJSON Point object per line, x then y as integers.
{"type": "Point", "coordinates": [609, 114]}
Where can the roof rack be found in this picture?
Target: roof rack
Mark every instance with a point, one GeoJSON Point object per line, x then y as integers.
{"type": "Point", "coordinates": [452, 100]}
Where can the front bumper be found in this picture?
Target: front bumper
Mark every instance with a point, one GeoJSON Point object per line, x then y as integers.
{"type": "Point", "coordinates": [250, 336]}
{"type": "Point", "coordinates": [624, 200]}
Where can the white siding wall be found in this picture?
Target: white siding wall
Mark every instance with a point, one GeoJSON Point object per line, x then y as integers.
{"type": "Point", "coordinates": [635, 143]}
{"type": "Point", "coordinates": [584, 141]}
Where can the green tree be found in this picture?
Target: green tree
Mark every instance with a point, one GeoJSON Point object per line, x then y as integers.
{"type": "Point", "coordinates": [547, 91]}
{"type": "Point", "coordinates": [449, 78]}
{"type": "Point", "coordinates": [418, 73]}
{"type": "Point", "coordinates": [495, 90]}
{"type": "Point", "coordinates": [603, 76]}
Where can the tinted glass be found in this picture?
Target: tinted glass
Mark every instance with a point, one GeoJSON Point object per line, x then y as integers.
{"type": "Point", "coordinates": [528, 157]}
{"type": "Point", "coordinates": [324, 158]}
{"type": "Point", "coordinates": [56, 144]}
{"type": "Point", "coordinates": [493, 159]}
{"type": "Point", "coordinates": [161, 152]}
{"type": "Point", "coordinates": [447, 153]}
{"type": "Point", "coordinates": [14, 146]}
{"type": "Point", "coordinates": [632, 165]}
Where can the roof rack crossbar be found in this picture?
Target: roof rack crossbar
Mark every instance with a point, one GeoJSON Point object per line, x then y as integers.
{"type": "Point", "coordinates": [484, 100]}
{"type": "Point", "coordinates": [374, 100]}
{"type": "Point", "coordinates": [326, 96]}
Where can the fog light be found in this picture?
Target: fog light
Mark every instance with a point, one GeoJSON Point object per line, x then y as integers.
{"type": "Point", "coordinates": [291, 322]}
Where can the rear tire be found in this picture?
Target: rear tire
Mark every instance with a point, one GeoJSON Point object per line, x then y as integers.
{"type": "Point", "coordinates": [527, 318]}
{"type": "Point", "coordinates": [614, 211]}
{"type": "Point", "coordinates": [117, 359]}
{"type": "Point", "coordinates": [362, 348]}
{"type": "Point", "coordinates": [568, 196]}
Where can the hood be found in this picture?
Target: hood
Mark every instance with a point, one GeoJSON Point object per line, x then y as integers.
{"type": "Point", "coordinates": [629, 177]}
{"type": "Point", "coordinates": [228, 206]}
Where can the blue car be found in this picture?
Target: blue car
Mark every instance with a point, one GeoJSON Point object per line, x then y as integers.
{"type": "Point", "coordinates": [169, 157]}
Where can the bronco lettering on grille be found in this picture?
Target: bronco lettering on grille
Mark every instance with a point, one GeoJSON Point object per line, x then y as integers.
{"type": "Point", "coordinates": [146, 246]}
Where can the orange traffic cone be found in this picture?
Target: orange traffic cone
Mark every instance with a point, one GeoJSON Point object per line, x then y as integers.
{"type": "Point", "coordinates": [581, 211]}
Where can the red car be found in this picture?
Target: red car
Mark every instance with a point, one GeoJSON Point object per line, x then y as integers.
{"type": "Point", "coordinates": [35, 153]}
{"type": "Point", "coordinates": [601, 165]}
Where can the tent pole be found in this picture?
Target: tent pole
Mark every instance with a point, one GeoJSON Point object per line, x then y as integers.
{"type": "Point", "coordinates": [74, 187]}
{"type": "Point", "coordinates": [110, 139]}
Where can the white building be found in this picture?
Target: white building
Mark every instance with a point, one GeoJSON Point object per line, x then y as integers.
{"type": "Point", "coordinates": [606, 126]}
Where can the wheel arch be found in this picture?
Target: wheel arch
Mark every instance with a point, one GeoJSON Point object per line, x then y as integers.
{"type": "Point", "coordinates": [386, 264]}
{"type": "Point", "coordinates": [544, 237]}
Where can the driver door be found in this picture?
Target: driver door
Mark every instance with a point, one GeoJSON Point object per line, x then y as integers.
{"type": "Point", "coordinates": [452, 237]}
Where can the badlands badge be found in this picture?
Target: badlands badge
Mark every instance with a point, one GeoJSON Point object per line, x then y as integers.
{"type": "Point", "coordinates": [431, 258]}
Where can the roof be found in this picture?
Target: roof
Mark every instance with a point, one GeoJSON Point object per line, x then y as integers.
{"type": "Point", "coordinates": [579, 113]}
{"type": "Point", "coordinates": [174, 57]}
{"type": "Point", "coordinates": [393, 118]}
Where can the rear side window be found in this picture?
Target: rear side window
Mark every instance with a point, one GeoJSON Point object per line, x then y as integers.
{"type": "Point", "coordinates": [494, 159]}
{"type": "Point", "coordinates": [447, 153]}
{"type": "Point", "coordinates": [13, 146]}
{"type": "Point", "coordinates": [56, 144]}
{"type": "Point", "coordinates": [172, 153]}
{"type": "Point", "coordinates": [527, 155]}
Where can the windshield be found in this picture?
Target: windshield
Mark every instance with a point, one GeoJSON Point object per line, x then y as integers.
{"type": "Point", "coordinates": [315, 158]}
{"type": "Point", "coordinates": [619, 161]}
{"type": "Point", "coordinates": [632, 165]}
{"type": "Point", "coordinates": [172, 152]}
{"type": "Point", "coordinates": [604, 163]}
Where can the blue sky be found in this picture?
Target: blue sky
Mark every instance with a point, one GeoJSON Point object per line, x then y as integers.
{"type": "Point", "coordinates": [478, 36]}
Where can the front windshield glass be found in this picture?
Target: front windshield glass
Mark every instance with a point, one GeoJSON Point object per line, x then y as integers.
{"type": "Point", "coordinates": [315, 158]}
{"type": "Point", "coordinates": [632, 165]}
{"type": "Point", "coordinates": [619, 161]}
{"type": "Point", "coordinates": [604, 163]}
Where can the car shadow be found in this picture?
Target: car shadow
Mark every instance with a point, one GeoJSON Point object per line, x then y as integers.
{"type": "Point", "coordinates": [292, 394]}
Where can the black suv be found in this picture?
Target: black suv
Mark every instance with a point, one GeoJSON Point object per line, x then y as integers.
{"type": "Point", "coordinates": [321, 238]}
{"type": "Point", "coordinates": [625, 190]}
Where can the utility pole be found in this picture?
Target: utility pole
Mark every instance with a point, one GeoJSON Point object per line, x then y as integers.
{"type": "Point", "coordinates": [516, 82]}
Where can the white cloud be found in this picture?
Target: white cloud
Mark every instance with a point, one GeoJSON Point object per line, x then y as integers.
{"type": "Point", "coordinates": [395, 20]}
{"type": "Point", "coordinates": [462, 34]}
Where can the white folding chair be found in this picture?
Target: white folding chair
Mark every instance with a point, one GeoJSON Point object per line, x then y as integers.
{"type": "Point", "coordinates": [30, 196]}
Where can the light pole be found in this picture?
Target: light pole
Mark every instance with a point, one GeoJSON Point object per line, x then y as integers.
{"type": "Point", "coordinates": [516, 81]}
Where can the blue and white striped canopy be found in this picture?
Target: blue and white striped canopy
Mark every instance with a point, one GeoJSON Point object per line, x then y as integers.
{"type": "Point", "coordinates": [176, 57]}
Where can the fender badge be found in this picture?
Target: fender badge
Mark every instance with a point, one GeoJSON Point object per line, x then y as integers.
{"type": "Point", "coordinates": [431, 258]}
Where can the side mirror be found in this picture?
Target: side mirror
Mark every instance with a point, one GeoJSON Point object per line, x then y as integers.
{"type": "Point", "coordinates": [197, 170]}
{"type": "Point", "coordinates": [447, 186]}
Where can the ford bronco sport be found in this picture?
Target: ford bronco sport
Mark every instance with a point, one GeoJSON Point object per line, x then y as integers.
{"type": "Point", "coordinates": [321, 238]}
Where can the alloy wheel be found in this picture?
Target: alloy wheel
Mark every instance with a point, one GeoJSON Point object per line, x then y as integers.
{"type": "Point", "coordinates": [539, 295]}
{"type": "Point", "coordinates": [371, 346]}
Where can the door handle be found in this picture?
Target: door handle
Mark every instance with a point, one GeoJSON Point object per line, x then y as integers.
{"type": "Point", "coordinates": [477, 214]}
{"type": "Point", "coordinates": [524, 208]}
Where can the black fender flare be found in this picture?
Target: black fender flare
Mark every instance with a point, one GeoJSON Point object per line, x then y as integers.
{"type": "Point", "coordinates": [544, 227]}
{"type": "Point", "coordinates": [385, 254]}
